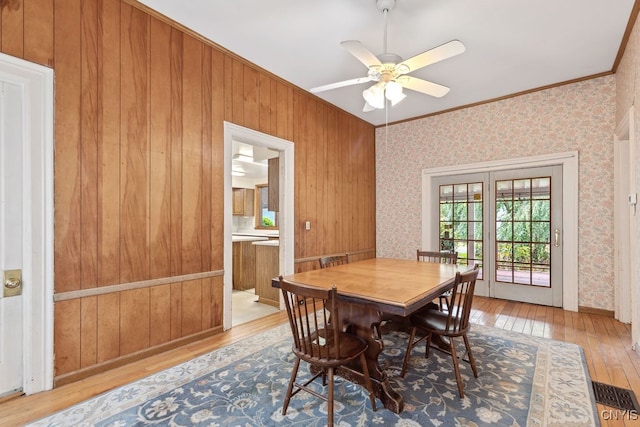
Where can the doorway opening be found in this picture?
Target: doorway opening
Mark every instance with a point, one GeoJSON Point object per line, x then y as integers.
{"type": "Point", "coordinates": [264, 232]}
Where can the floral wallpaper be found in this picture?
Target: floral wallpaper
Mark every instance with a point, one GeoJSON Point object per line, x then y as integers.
{"type": "Point", "coordinates": [575, 117]}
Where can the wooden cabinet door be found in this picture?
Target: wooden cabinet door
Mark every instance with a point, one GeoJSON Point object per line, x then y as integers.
{"type": "Point", "coordinates": [243, 201]}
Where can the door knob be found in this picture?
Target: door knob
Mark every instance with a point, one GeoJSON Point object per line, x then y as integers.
{"type": "Point", "coordinates": [12, 282]}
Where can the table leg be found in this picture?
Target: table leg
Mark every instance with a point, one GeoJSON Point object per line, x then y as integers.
{"type": "Point", "coordinates": [363, 321]}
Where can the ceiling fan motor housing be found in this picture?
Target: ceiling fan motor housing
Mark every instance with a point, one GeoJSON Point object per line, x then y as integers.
{"type": "Point", "coordinates": [385, 4]}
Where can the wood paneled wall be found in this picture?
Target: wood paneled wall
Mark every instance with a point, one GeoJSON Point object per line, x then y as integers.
{"type": "Point", "coordinates": [140, 106]}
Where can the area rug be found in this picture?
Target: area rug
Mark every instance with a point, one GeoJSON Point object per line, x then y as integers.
{"type": "Point", "coordinates": [522, 381]}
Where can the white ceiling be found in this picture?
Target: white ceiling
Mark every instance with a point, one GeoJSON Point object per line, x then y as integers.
{"type": "Point", "coordinates": [511, 45]}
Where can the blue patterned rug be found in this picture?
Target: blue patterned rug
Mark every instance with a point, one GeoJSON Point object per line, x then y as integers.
{"type": "Point", "coordinates": [522, 381]}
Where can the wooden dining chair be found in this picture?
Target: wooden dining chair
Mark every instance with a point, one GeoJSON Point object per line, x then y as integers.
{"type": "Point", "coordinates": [450, 324]}
{"type": "Point", "coordinates": [330, 261]}
{"type": "Point", "coordinates": [444, 258]}
{"type": "Point", "coordinates": [318, 343]}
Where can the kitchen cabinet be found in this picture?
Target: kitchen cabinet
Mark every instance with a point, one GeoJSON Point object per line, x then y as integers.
{"type": "Point", "coordinates": [243, 201]}
{"type": "Point", "coordinates": [267, 267]}
{"type": "Point", "coordinates": [244, 265]}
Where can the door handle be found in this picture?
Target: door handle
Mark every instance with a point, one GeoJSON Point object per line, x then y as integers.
{"type": "Point", "coordinates": [556, 237]}
{"type": "Point", "coordinates": [12, 283]}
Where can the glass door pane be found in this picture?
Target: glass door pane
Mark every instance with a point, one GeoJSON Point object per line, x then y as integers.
{"type": "Point", "coordinates": [461, 221]}
{"type": "Point", "coordinates": [523, 231]}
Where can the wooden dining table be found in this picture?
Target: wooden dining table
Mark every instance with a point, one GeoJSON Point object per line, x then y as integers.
{"type": "Point", "coordinates": [369, 289]}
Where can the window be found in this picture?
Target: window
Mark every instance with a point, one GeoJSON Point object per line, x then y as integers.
{"type": "Point", "coordinates": [264, 217]}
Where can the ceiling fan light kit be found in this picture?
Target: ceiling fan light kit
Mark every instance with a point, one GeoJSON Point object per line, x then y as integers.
{"type": "Point", "coordinates": [388, 69]}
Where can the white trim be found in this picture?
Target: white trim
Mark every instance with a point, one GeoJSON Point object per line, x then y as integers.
{"type": "Point", "coordinates": [627, 274]}
{"type": "Point", "coordinates": [38, 207]}
{"type": "Point", "coordinates": [233, 132]}
{"type": "Point", "coordinates": [569, 162]}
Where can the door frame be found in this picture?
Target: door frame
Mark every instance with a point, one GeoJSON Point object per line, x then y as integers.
{"type": "Point", "coordinates": [625, 239]}
{"type": "Point", "coordinates": [233, 132]}
{"type": "Point", "coordinates": [569, 163]}
{"type": "Point", "coordinates": [37, 84]}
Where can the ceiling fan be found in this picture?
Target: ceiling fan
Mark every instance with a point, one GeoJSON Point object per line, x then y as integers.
{"type": "Point", "coordinates": [390, 71]}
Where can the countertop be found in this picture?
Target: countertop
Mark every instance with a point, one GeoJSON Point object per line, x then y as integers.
{"type": "Point", "coordinates": [257, 233]}
{"type": "Point", "coordinates": [236, 238]}
{"type": "Point", "coordinates": [267, 243]}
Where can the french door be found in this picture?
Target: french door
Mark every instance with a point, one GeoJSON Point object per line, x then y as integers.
{"type": "Point", "coordinates": [509, 222]}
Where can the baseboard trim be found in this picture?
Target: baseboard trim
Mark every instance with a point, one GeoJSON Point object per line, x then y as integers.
{"type": "Point", "coordinates": [132, 357]}
{"type": "Point", "coordinates": [598, 311]}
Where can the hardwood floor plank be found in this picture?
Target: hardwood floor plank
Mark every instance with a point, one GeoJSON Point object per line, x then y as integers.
{"type": "Point", "coordinates": [606, 343]}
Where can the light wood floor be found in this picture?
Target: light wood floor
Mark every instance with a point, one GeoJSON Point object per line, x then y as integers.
{"type": "Point", "coordinates": [607, 345]}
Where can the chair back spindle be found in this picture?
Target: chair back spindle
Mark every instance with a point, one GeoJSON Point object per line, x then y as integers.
{"type": "Point", "coordinates": [332, 261]}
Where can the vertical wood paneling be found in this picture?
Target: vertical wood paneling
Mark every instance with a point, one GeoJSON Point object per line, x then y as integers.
{"type": "Point", "coordinates": [13, 27]}
{"type": "Point", "coordinates": [134, 321]}
{"type": "Point", "coordinates": [311, 172]}
{"type": "Point", "coordinates": [228, 88]}
{"type": "Point", "coordinates": [191, 156]}
{"type": "Point", "coordinates": [322, 219]}
{"type": "Point", "coordinates": [67, 148]}
{"type": "Point", "coordinates": [300, 170]}
{"type": "Point", "coordinates": [108, 327]}
{"type": "Point", "coordinates": [237, 84]}
{"type": "Point", "coordinates": [217, 158]}
{"type": "Point", "coordinates": [191, 307]}
{"type": "Point", "coordinates": [108, 151]}
{"type": "Point", "coordinates": [160, 151]}
{"type": "Point", "coordinates": [38, 24]}
{"type": "Point", "coordinates": [88, 331]}
{"type": "Point", "coordinates": [251, 89]}
{"type": "Point", "coordinates": [206, 156]}
{"type": "Point", "coordinates": [217, 301]}
{"type": "Point", "coordinates": [284, 108]}
{"type": "Point", "coordinates": [134, 173]}
{"type": "Point", "coordinates": [331, 178]}
{"type": "Point", "coordinates": [139, 194]}
{"type": "Point", "coordinates": [206, 304]}
{"type": "Point", "coordinates": [89, 146]}
{"type": "Point", "coordinates": [176, 157]}
{"type": "Point", "coordinates": [264, 107]}
{"type": "Point", "coordinates": [160, 315]}
{"type": "Point", "coordinates": [66, 340]}
{"type": "Point", "coordinates": [176, 310]}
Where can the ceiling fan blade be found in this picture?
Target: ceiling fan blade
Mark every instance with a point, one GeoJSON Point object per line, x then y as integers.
{"type": "Point", "coordinates": [423, 86]}
{"type": "Point", "coordinates": [361, 53]}
{"type": "Point", "coordinates": [340, 84]}
{"type": "Point", "coordinates": [444, 51]}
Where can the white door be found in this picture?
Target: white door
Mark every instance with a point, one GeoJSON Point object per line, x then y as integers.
{"type": "Point", "coordinates": [11, 237]}
{"type": "Point", "coordinates": [526, 224]}
{"type": "Point", "coordinates": [509, 222]}
{"type": "Point", "coordinates": [26, 226]}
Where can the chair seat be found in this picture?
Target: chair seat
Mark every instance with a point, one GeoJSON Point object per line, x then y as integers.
{"type": "Point", "coordinates": [434, 321]}
{"type": "Point", "coordinates": [350, 347]}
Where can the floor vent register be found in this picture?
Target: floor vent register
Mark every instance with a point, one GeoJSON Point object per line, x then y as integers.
{"type": "Point", "coordinates": [616, 397]}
